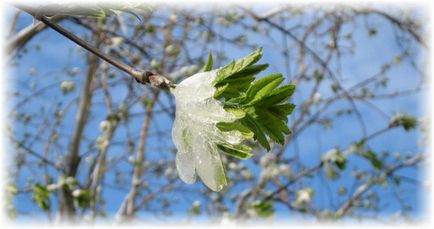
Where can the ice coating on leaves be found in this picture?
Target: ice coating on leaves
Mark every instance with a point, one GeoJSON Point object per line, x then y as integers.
{"type": "Point", "coordinates": [195, 133]}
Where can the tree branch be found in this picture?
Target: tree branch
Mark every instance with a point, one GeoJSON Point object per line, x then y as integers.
{"type": "Point", "coordinates": [317, 58]}
{"type": "Point", "coordinates": [401, 24]}
{"type": "Point", "coordinates": [26, 34]}
{"type": "Point", "coordinates": [67, 208]}
{"type": "Point", "coordinates": [142, 77]}
{"type": "Point", "coordinates": [128, 208]}
{"type": "Point", "coordinates": [370, 183]}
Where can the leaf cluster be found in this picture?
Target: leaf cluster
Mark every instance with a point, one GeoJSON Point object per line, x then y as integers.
{"type": "Point", "coordinates": [260, 106]}
{"type": "Point", "coordinates": [406, 121]}
{"type": "Point", "coordinates": [368, 154]}
{"type": "Point", "coordinates": [334, 161]}
{"type": "Point", "coordinates": [263, 209]}
{"type": "Point", "coordinates": [41, 196]}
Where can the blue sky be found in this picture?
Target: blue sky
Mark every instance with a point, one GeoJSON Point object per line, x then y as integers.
{"type": "Point", "coordinates": [370, 53]}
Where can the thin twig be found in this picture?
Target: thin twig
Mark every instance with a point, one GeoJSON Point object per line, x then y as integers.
{"type": "Point", "coordinates": [299, 176]}
{"type": "Point", "coordinates": [401, 24]}
{"type": "Point", "coordinates": [370, 183]}
{"type": "Point", "coordinates": [142, 77]}
{"type": "Point", "coordinates": [138, 75]}
{"type": "Point", "coordinates": [316, 57]}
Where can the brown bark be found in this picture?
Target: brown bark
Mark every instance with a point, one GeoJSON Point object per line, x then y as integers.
{"type": "Point", "coordinates": [67, 209]}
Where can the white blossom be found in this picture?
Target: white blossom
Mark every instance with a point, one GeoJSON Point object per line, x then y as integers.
{"type": "Point", "coordinates": [173, 18]}
{"type": "Point", "coordinates": [267, 159]}
{"type": "Point", "coordinates": [76, 192]}
{"type": "Point", "coordinates": [104, 125]}
{"type": "Point", "coordinates": [67, 86]}
{"type": "Point", "coordinates": [316, 98]}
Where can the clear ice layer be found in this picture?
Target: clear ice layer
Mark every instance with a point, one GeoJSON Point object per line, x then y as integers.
{"type": "Point", "coordinates": [195, 133]}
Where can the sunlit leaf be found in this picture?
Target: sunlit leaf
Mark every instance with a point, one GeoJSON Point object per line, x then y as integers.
{"type": "Point", "coordinates": [209, 64]}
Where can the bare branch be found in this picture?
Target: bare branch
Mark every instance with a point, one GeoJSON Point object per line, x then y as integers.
{"type": "Point", "coordinates": [25, 35]}
{"type": "Point", "coordinates": [370, 183]}
{"type": "Point", "coordinates": [142, 77]}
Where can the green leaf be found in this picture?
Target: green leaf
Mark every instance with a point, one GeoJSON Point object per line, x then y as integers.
{"type": "Point", "coordinates": [272, 126]}
{"type": "Point", "coordinates": [254, 126]}
{"type": "Point", "coordinates": [238, 112]}
{"type": "Point", "coordinates": [41, 196]}
{"type": "Point", "coordinates": [263, 209]}
{"type": "Point", "coordinates": [334, 158]}
{"type": "Point", "coordinates": [249, 72]}
{"type": "Point", "coordinates": [234, 79]}
{"type": "Point", "coordinates": [266, 90]}
{"type": "Point", "coordinates": [264, 102]}
{"type": "Point", "coordinates": [237, 66]}
{"type": "Point", "coordinates": [267, 114]}
{"type": "Point", "coordinates": [260, 85]}
{"type": "Point", "coordinates": [372, 157]}
{"type": "Point", "coordinates": [209, 64]}
{"type": "Point", "coordinates": [239, 82]}
{"type": "Point", "coordinates": [220, 90]}
{"type": "Point", "coordinates": [82, 198]}
{"type": "Point", "coordinates": [277, 96]}
{"type": "Point", "coordinates": [282, 111]}
{"type": "Point", "coordinates": [195, 208]}
{"type": "Point", "coordinates": [341, 162]}
{"type": "Point", "coordinates": [238, 151]}
{"type": "Point", "coordinates": [406, 121]}
{"type": "Point", "coordinates": [234, 126]}
{"type": "Point", "coordinates": [330, 171]}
